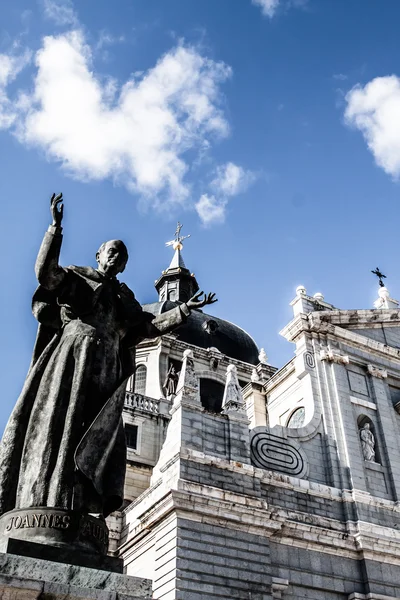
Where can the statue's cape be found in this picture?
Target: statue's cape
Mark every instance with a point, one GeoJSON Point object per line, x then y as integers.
{"type": "Point", "coordinates": [101, 453]}
{"type": "Point", "coordinates": [103, 444]}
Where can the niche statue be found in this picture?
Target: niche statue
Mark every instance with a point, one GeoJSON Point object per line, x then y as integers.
{"type": "Point", "coordinates": [367, 443]}
{"type": "Point", "coordinates": [64, 445]}
{"type": "Point", "coordinates": [171, 382]}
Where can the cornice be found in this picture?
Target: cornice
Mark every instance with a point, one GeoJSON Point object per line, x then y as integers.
{"type": "Point", "coordinates": [320, 323]}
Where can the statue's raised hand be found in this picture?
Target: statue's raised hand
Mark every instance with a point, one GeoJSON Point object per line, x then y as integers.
{"type": "Point", "coordinates": [57, 209]}
{"type": "Point", "coordinates": [198, 302]}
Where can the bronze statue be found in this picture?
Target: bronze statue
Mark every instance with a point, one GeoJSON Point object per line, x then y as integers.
{"type": "Point", "coordinates": [64, 444]}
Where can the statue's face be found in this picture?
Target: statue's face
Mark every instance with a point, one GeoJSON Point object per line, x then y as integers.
{"type": "Point", "coordinates": [112, 258]}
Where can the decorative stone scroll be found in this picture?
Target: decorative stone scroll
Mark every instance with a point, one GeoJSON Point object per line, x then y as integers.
{"type": "Point", "coordinates": [376, 372]}
{"type": "Point", "coordinates": [334, 357]}
{"type": "Point", "coordinates": [188, 384]}
{"type": "Point", "coordinates": [275, 453]}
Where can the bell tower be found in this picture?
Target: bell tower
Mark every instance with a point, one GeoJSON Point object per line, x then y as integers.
{"type": "Point", "coordinates": [176, 283]}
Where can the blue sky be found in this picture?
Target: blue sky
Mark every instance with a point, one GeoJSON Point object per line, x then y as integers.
{"type": "Point", "coordinates": [271, 129]}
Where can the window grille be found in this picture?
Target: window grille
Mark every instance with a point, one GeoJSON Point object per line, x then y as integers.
{"type": "Point", "coordinates": [140, 380]}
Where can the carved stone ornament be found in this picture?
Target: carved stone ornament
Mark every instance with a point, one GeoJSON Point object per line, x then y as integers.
{"type": "Point", "coordinates": [233, 397]}
{"type": "Point", "coordinates": [214, 363]}
{"type": "Point", "coordinates": [275, 453]}
{"type": "Point", "coordinates": [376, 372]}
{"type": "Point", "coordinates": [188, 385]}
{"type": "Point", "coordinates": [334, 357]}
{"type": "Point", "coordinates": [262, 357]}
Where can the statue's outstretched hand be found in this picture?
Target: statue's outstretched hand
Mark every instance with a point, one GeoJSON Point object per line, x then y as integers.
{"type": "Point", "coordinates": [198, 302]}
{"type": "Point", "coordinates": [57, 209]}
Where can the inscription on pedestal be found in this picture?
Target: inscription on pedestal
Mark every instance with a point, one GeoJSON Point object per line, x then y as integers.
{"type": "Point", "coordinates": [56, 526]}
{"type": "Point", "coordinates": [39, 520]}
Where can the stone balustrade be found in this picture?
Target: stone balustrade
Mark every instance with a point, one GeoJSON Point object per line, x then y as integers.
{"type": "Point", "coordinates": [143, 403]}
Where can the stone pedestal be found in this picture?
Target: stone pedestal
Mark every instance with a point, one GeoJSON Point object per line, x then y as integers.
{"type": "Point", "coordinates": [26, 578]}
{"type": "Point", "coordinates": [56, 527]}
{"type": "Point", "coordinates": [51, 553]}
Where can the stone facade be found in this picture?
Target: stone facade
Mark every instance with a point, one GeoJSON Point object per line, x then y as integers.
{"type": "Point", "coordinates": [272, 496]}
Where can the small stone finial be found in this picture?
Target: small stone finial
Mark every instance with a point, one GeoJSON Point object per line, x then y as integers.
{"type": "Point", "coordinates": [384, 300]}
{"type": "Point", "coordinates": [301, 290]}
{"type": "Point", "coordinates": [255, 378]}
{"type": "Point", "coordinates": [318, 296]}
{"type": "Point", "coordinates": [383, 293]}
{"type": "Point", "coordinates": [262, 357]}
{"type": "Point", "coordinates": [233, 397]}
{"type": "Point", "coordinates": [188, 385]}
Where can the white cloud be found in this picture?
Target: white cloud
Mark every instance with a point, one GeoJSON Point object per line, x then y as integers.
{"type": "Point", "coordinates": [268, 7]}
{"type": "Point", "coordinates": [138, 134]}
{"type": "Point", "coordinates": [211, 210]}
{"type": "Point", "coordinates": [62, 12]}
{"type": "Point", "coordinates": [375, 110]}
{"type": "Point", "coordinates": [141, 134]}
{"type": "Point", "coordinates": [229, 180]}
{"type": "Point", "coordinates": [106, 39]}
{"type": "Point", "coordinates": [10, 67]}
{"type": "Point", "coordinates": [340, 77]}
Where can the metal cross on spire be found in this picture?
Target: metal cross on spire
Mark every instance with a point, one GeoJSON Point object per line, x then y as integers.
{"type": "Point", "coordinates": [380, 276]}
{"type": "Point", "coordinates": [176, 243]}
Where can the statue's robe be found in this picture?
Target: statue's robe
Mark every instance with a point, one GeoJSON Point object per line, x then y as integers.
{"type": "Point", "coordinates": [64, 444]}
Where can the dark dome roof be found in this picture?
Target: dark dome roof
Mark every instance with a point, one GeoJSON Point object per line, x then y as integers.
{"type": "Point", "coordinates": [206, 331]}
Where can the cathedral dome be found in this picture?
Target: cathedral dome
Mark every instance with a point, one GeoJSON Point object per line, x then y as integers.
{"type": "Point", "coordinates": [206, 331]}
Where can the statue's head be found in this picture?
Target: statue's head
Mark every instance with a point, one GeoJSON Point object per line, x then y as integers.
{"type": "Point", "coordinates": [112, 257]}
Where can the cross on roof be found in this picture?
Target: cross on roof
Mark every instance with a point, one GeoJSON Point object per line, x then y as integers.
{"type": "Point", "coordinates": [176, 243]}
{"type": "Point", "coordinates": [380, 276]}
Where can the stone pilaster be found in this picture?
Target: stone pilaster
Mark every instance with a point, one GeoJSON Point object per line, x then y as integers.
{"type": "Point", "coordinates": [255, 403]}
{"type": "Point", "coordinates": [388, 428]}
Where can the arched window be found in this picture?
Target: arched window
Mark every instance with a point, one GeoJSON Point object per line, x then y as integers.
{"type": "Point", "coordinates": [211, 394]}
{"type": "Point", "coordinates": [297, 418]}
{"type": "Point", "coordinates": [140, 380]}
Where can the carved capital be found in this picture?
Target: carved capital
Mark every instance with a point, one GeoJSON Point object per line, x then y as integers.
{"type": "Point", "coordinates": [334, 357]}
{"type": "Point", "coordinates": [376, 372]}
